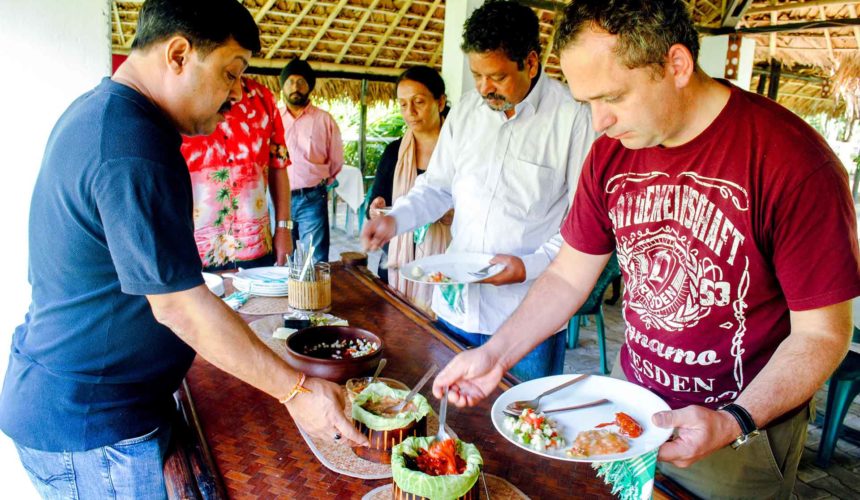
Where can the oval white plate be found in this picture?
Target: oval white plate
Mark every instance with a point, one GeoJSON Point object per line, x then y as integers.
{"type": "Point", "coordinates": [636, 401]}
{"type": "Point", "coordinates": [454, 265]}
{"type": "Point", "coordinates": [263, 281]}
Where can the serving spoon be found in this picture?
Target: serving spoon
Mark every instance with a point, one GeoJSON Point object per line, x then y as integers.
{"type": "Point", "coordinates": [558, 410]}
{"type": "Point", "coordinates": [379, 367]}
{"type": "Point", "coordinates": [397, 408]}
{"type": "Point", "coordinates": [442, 434]}
{"type": "Point", "coordinates": [517, 407]}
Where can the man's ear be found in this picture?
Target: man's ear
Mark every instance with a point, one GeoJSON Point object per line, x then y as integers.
{"type": "Point", "coordinates": [532, 64]}
{"type": "Point", "coordinates": [177, 51]}
{"type": "Point", "coordinates": [680, 65]}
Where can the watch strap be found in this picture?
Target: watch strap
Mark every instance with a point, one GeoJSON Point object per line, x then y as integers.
{"type": "Point", "coordinates": [745, 421]}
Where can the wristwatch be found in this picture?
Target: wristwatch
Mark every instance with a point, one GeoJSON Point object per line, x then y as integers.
{"type": "Point", "coordinates": [745, 421]}
{"type": "Point", "coordinates": [285, 224]}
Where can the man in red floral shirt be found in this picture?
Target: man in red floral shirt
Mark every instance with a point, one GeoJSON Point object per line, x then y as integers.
{"type": "Point", "coordinates": [231, 170]}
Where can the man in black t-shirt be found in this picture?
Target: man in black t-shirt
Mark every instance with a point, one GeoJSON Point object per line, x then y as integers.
{"type": "Point", "coordinates": [119, 306]}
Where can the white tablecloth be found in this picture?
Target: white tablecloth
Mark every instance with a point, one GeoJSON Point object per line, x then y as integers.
{"type": "Point", "coordinates": [350, 187]}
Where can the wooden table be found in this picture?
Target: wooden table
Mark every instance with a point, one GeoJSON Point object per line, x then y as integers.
{"type": "Point", "coordinates": [255, 451]}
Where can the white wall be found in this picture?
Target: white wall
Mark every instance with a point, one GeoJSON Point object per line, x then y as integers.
{"type": "Point", "coordinates": [455, 65]}
{"type": "Point", "coordinates": [53, 51]}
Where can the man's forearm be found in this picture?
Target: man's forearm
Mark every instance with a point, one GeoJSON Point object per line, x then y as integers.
{"type": "Point", "coordinates": [279, 187]}
{"type": "Point", "coordinates": [800, 365]}
{"type": "Point", "coordinates": [221, 337]}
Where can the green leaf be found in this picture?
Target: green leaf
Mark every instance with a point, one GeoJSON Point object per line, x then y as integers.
{"type": "Point", "coordinates": [375, 392]}
{"type": "Point", "coordinates": [221, 175]}
{"type": "Point", "coordinates": [434, 487]}
{"type": "Point", "coordinates": [223, 194]}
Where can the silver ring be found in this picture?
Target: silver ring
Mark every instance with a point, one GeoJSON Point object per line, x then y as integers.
{"type": "Point", "coordinates": [337, 436]}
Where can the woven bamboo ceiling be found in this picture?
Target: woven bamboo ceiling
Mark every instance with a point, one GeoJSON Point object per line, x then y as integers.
{"type": "Point", "coordinates": [384, 36]}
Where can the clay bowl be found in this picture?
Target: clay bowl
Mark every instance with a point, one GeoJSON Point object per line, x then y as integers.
{"type": "Point", "coordinates": [320, 362]}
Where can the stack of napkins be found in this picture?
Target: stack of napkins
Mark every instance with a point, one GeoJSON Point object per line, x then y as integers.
{"type": "Point", "coordinates": [236, 300]}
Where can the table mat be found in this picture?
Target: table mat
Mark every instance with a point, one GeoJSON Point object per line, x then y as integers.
{"type": "Point", "coordinates": [499, 488]}
{"type": "Point", "coordinates": [261, 306]}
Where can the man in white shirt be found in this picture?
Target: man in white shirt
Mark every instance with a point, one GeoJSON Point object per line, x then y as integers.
{"type": "Point", "coordinates": [507, 160]}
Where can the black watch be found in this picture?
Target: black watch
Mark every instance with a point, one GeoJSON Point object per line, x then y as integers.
{"type": "Point", "coordinates": [745, 421]}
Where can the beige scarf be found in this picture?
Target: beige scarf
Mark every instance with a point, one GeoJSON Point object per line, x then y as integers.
{"type": "Point", "coordinates": [402, 249]}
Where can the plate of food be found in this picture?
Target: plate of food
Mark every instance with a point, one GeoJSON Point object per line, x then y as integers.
{"type": "Point", "coordinates": [618, 430]}
{"type": "Point", "coordinates": [451, 269]}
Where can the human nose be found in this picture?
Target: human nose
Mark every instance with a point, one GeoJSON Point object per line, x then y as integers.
{"type": "Point", "coordinates": [235, 94]}
{"type": "Point", "coordinates": [483, 85]}
{"type": "Point", "coordinates": [601, 118]}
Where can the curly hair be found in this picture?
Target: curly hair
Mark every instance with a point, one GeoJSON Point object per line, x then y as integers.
{"type": "Point", "coordinates": [502, 25]}
{"type": "Point", "coordinates": [646, 29]}
{"type": "Point", "coordinates": [205, 23]}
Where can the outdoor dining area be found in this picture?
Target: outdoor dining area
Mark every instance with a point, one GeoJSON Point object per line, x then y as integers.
{"type": "Point", "coordinates": [434, 249]}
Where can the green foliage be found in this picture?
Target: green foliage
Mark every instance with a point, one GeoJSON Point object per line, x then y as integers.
{"type": "Point", "coordinates": [384, 124]}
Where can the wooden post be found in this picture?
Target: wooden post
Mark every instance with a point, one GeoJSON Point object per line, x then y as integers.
{"type": "Point", "coordinates": [773, 88]}
{"type": "Point", "coordinates": [362, 129]}
{"type": "Point", "coordinates": [762, 84]}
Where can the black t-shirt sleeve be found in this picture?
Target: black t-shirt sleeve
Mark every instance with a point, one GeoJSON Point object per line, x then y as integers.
{"type": "Point", "coordinates": [145, 209]}
{"type": "Point", "coordinates": [383, 183]}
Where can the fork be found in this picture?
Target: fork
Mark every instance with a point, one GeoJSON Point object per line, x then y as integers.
{"type": "Point", "coordinates": [481, 272]}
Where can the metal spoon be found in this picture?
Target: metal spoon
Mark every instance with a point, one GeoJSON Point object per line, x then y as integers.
{"type": "Point", "coordinates": [397, 408]}
{"type": "Point", "coordinates": [442, 434]}
{"type": "Point", "coordinates": [379, 368]}
{"type": "Point", "coordinates": [566, 408]}
{"type": "Point", "coordinates": [518, 406]}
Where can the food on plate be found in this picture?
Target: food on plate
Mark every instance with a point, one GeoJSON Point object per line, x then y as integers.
{"type": "Point", "coordinates": [385, 428]}
{"type": "Point", "coordinates": [355, 386]}
{"type": "Point", "coordinates": [535, 430]}
{"type": "Point", "coordinates": [417, 272]}
{"type": "Point", "coordinates": [342, 349]}
{"type": "Point", "coordinates": [438, 277]}
{"type": "Point", "coordinates": [426, 468]}
{"type": "Point", "coordinates": [627, 425]}
{"type": "Point", "coordinates": [598, 442]}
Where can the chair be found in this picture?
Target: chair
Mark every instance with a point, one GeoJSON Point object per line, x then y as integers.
{"type": "Point", "coordinates": [843, 388]}
{"type": "Point", "coordinates": [594, 307]}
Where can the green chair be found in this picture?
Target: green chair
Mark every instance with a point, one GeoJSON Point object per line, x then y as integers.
{"type": "Point", "coordinates": [594, 307]}
{"type": "Point", "coordinates": [843, 388]}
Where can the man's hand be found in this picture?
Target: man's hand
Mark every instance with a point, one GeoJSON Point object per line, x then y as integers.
{"type": "Point", "coordinates": [700, 432]}
{"type": "Point", "coordinates": [375, 205]}
{"type": "Point", "coordinates": [378, 232]}
{"type": "Point", "coordinates": [320, 413]}
{"type": "Point", "coordinates": [282, 242]}
{"type": "Point", "coordinates": [448, 218]}
{"type": "Point", "coordinates": [514, 272]}
{"type": "Point", "coordinates": [470, 376]}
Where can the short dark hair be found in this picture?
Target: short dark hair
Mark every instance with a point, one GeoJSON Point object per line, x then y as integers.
{"type": "Point", "coordinates": [646, 29]}
{"type": "Point", "coordinates": [205, 23]}
{"type": "Point", "coordinates": [502, 25]}
{"type": "Point", "coordinates": [427, 76]}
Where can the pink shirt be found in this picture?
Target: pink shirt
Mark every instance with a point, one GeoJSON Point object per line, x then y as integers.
{"type": "Point", "coordinates": [314, 144]}
{"type": "Point", "coordinates": [718, 240]}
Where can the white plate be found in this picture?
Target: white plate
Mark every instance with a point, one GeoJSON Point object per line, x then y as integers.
{"type": "Point", "coordinates": [454, 265]}
{"type": "Point", "coordinates": [636, 401]}
{"type": "Point", "coordinates": [263, 281]}
{"type": "Point", "coordinates": [215, 283]}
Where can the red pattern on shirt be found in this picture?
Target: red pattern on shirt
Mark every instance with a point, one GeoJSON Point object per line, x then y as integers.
{"type": "Point", "coordinates": [229, 174]}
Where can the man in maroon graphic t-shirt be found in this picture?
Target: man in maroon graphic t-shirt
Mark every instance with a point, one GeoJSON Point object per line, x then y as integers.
{"type": "Point", "coordinates": [735, 230]}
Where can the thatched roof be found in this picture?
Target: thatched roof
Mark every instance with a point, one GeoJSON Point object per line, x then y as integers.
{"type": "Point", "coordinates": [383, 37]}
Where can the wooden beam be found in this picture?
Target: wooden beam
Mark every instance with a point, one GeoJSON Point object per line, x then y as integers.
{"type": "Point", "coordinates": [773, 84]}
{"type": "Point", "coordinates": [733, 12]}
{"type": "Point", "coordinates": [797, 5]}
{"type": "Point", "coordinates": [118, 23]}
{"type": "Point", "coordinates": [853, 11]}
{"type": "Point", "coordinates": [781, 28]}
{"type": "Point", "coordinates": [774, 18]}
{"type": "Point", "coordinates": [424, 22]}
{"type": "Point", "coordinates": [810, 97]}
{"type": "Point", "coordinates": [355, 32]}
{"type": "Point", "coordinates": [289, 30]}
{"type": "Point", "coordinates": [436, 55]}
{"type": "Point", "coordinates": [546, 53]}
{"type": "Point", "coordinates": [263, 11]}
{"type": "Point", "coordinates": [823, 15]}
{"type": "Point", "coordinates": [388, 32]}
{"type": "Point", "coordinates": [322, 29]}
